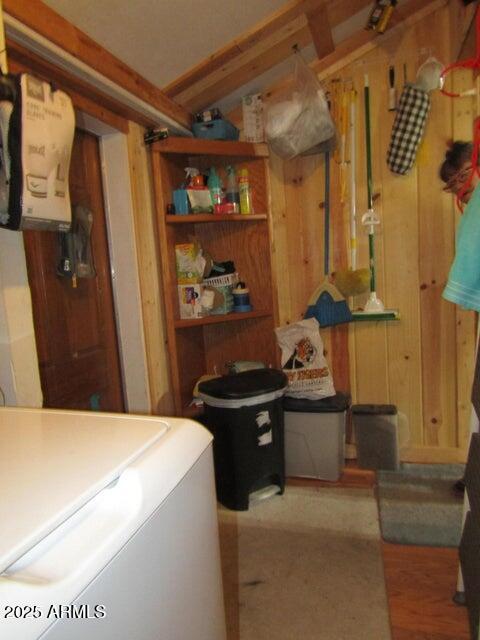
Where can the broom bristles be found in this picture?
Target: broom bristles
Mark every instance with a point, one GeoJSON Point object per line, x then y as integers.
{"type": "Point", "coordinates": [328, 311]}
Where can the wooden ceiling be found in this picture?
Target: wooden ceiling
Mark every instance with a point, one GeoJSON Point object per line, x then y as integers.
{"type": "Point", "coordinates": [299, 23]}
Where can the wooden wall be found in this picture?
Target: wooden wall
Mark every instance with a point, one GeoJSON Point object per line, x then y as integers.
{"type": "Point", "coordinates": [423, 363]}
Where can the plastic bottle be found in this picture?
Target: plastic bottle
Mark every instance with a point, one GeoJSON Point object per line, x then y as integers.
{"type": "Point", "coordinates": [215, 186]}
{"type": "Point", "coordinates": [232, 193]}
{"type": "Point", "coordinates": [241, 298]}
{"type": "Point", "coordinates": [244, 190]}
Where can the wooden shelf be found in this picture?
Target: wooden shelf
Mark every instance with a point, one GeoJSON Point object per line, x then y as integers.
{"type": "Point", "coordinates": [213, 217]}
{"type": "Point", "coordinates": [200, 146]}
{"type": "Point", "coordinates": [204, 345]}
{"type": "Point", "coordinates": [220, 318]}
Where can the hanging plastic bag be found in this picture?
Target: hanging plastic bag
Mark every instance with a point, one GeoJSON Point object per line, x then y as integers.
{"type": "Point", "coordinates": [303, 361]}
{"type": "Point", "coordinates": [300, 119]}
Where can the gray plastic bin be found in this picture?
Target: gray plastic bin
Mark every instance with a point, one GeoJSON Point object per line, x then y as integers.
{"type": "Point", "coordinates": [376, 435]}
{"type": "Point", "coordinates": [315, 436]}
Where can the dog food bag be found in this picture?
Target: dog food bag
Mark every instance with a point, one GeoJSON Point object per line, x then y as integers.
{"type": "Point", "coordinates": [303, 361]}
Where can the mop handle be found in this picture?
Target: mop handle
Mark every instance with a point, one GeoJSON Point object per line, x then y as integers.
{"type": "Point", "coordinates": [371, 253]}
{"type": "Point", "coordinates": [326, 232]}
{"type": "Point", "coordinates": [366, 91]}
{"type": "Point", "coordinates": [371, 236]}
{"type": "Point", "coordinates": [353, 188]}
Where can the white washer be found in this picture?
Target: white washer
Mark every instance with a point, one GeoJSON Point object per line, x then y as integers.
{"type": "Point", "coordinates": [108, 528]}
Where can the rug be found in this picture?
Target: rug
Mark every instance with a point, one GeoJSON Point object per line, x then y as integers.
{"type": "Point", "coordinates": [306, 565]}
{"type": "Point", "coordinates": [418, 505]}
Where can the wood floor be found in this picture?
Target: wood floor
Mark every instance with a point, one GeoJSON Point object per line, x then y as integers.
{"type": "Point", "coordinates": [420, 581]}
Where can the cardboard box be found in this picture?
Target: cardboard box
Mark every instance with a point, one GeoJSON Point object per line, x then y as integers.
{"type": "Point", "coordinates": [253, 128]}
{"type": "Point", "coordinates": [189, 300]}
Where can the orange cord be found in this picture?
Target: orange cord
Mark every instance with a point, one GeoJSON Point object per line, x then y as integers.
{"type": "Point", "coordinates": [469, 63]}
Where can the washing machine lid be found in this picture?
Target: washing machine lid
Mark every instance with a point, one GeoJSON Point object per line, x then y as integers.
{"type": "Point", "coordinates": [53, 462]}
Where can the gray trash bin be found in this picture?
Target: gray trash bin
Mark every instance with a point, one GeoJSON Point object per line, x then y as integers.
{"type": "Point", "coordinates": [315, 436]}
{"type": "Point", "coordinates": [376, 435]}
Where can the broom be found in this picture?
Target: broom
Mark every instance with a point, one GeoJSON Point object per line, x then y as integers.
{"type": "Point", "coordinates": [326, 303]}
{"type": "Point", "coordinates": [352, 281]}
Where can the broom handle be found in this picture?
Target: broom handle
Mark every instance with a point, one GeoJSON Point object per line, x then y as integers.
{"type": "Point", "coordinates": [366, 91]}
{"type": "Point", "coordinates": [353, 191]}
{"type": "Point", "coordinates": [371, 237]}
{"type": "Point", "coordinates": [326, 232]}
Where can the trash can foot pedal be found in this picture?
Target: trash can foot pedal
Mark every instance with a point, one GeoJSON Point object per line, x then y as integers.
{"type": "Point", "coordinates": [264, 493]}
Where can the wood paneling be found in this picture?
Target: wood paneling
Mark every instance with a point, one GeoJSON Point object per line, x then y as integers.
{"type": "Point", "coordinates": [424, 362]}
{"type": "Point", "coordinates": [149, 272]}
{"type": "Point", "coordinates": [436, 231]}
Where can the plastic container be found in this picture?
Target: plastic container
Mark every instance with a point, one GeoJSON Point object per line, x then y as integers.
{"type": "Point", "coordinates": [241, 298]}
{"type": "Point", "coordinates": [232, 194]}
{"type": "Point", "coordinates": [245, 414]}
{"type": "Point", "coordinates": [180, 202]}
{"type": "Point", "coordinates": [315, 436]}
{"type": "Point", "coordinates": [376, 436]}
{"type": "Point", "coordinates": [215, 130]}
{"type": "Point", "coordinates": [224, 285]}
{"type": "Point", "coordinates": [244, 191]}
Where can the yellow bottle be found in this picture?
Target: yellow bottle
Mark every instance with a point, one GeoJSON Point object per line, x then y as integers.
{"type": "Point", "coordinates": [244, 191]}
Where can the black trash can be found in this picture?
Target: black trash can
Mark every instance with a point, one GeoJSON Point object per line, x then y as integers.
{"type": "Point", "coordinates": [245, 414]}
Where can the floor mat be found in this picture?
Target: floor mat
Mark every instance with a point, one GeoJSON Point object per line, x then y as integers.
{"type": "Point", "coordinates": [418, 505]}
{"type": "Point", "coordinates": [306, 565]}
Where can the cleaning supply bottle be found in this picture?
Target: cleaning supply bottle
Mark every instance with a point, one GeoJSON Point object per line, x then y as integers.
{"type": "Point", "coordinates": [232, 193]}
{"type": "Point", "coordinates": [244, 190]}
{"type": "Point", "coordinates": [215, 186]}
{"type": "Point", "coordinates": [241, 298]}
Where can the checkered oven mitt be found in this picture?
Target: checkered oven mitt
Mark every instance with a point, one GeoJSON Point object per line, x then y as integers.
{"type": "Point", "coordinates": [407, 130]}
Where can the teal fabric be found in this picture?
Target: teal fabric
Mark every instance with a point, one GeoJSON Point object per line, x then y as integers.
{"type": "Point", "coordinates": [463, 285]}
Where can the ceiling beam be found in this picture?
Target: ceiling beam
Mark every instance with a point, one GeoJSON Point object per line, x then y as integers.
{"type": "Point", "coordinates": [405, 15]}
{"type": "Point", "coordinates": [319, 25]}
{"type": "Point", "coordinates": [256, 51]}
{"type": "Point", "coordinates": [464, 26]}
{"type": "Point", "coordinates": [47, 23]}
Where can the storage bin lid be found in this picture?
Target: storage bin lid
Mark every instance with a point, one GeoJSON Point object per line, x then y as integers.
{"type": "Point", "coordinates": [246, 384]}
{"type": "Point", "coordinates": [374, 409]}
{"type": "Point", "coordinates": [333, 404]}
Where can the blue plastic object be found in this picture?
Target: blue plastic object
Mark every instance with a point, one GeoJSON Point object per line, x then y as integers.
{"type": "Point", "coordinates": [180, 200]}
{"type": "Point", "coordinates": [215, 130]}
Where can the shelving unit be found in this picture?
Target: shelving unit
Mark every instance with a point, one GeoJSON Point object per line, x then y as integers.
{"type": "Point", "coordinates": [205, 345]}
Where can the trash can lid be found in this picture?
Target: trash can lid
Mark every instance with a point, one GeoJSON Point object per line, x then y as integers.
{"type": "Point", "coordinates": [246, 384]}
{"type": "Point", "coordinates": [333, 404]}
{"type": "Point", "coordinates": [374, 409]}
